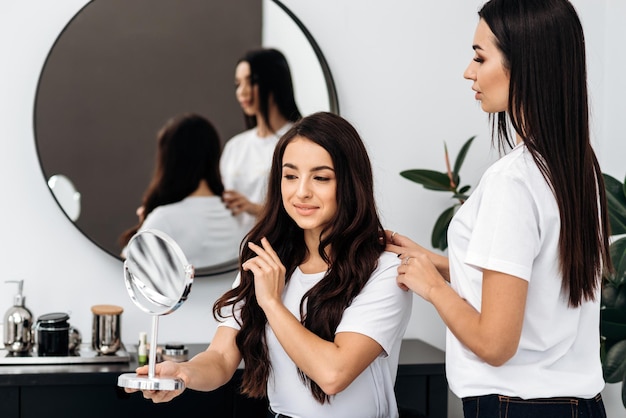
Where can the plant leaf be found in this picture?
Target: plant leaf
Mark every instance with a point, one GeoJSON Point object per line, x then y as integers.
{"type": "Point", "coordinates": [433, 180]}
{"type": "Point", "coordinates": [614, 366]}
{"type": "Point", "coordinates": [613, 324]}
{"type": "Point", "coordinates": [608, 295]}
{"type": "Point", "coordinates": [439, 238]}
{"type": "Point", "coordinates": [461, 157]}
{"type": "Point", "coordinates": [616, 198]}
{"type": "Point", "coordinates": [456, 178]}
{"type": "Point", "coordinates": [618, 257]}
{"type": "Point", "coordinates": [464, 189]}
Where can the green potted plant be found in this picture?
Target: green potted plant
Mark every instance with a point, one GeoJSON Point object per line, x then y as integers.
{"type": "Point", "coordinates": [613, 313]}
{"type": "Point", "coordinates": [447, 181]}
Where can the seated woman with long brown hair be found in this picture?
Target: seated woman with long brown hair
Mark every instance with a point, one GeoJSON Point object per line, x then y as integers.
{"type": "Point", "coordinates": [315, 312]}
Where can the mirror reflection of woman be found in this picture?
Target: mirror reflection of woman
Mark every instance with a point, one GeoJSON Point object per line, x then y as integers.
{"type": "Point", "coordinates": [315, 312]}
{"type": "Point", "coordinates": [184, 197]}
{"type": "Point", "coordinates": [264, 90]}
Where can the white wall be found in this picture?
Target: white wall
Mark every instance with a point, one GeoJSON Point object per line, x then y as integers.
{"type": "Point", "coordinates": [398, 70]}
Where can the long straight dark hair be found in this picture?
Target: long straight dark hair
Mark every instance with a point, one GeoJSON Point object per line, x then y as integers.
{"type": "Point", "coordinates": [350, 244]}
{"type": "Point", "coordinates": [188, 151]}
{"type": "Point", "coordinates": [543, 46]}
{"type": "Point", "coordinates": [270, 71]}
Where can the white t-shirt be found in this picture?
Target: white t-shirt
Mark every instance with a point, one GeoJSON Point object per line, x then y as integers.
{"type": "Point", "coordinates": [202, 226]}
{"type": "Point", "coordinates": [511, 224]}
{"type": "Point", "coordinates": [381, 311]}
{"type": "Point", "coordinates": [245, 166]}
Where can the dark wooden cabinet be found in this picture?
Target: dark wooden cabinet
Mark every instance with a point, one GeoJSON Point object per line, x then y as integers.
{"type": "Point", "coordinates": [78, 391]}
{"type": "Point", "coordinates": [421, 386]}
{"type": "Point", "coordinates": [96, 395]}
{"type": "Point", "coordinates": [10, 401]}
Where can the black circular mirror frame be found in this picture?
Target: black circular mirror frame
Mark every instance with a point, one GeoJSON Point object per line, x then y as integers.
{"type": "Point", "coordinates": [333, 106]}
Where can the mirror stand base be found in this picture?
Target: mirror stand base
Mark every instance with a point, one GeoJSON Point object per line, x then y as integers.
{"type": "Point", "coordinates": [142, 382]}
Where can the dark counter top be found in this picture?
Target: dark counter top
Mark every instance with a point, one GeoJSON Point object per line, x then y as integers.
{"type": "Point", "coordinates": [415, 357]}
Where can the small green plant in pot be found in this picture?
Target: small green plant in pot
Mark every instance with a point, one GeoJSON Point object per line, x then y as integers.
{"type": "Point", "coordinates": [613, 313]}
{"type": "Point", "coordinates": [447, 181]}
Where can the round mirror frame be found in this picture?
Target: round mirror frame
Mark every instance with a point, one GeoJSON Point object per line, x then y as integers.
{"type": "Point", "coordinates": [333, 107]}
{"type": "Point", "coordinates": [134, 283]}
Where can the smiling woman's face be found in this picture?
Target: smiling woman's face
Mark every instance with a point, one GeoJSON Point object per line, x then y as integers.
{"type": "Point", "coordinates": [308, 185]}
{"type": "Point", "coordinates": [491, 79]}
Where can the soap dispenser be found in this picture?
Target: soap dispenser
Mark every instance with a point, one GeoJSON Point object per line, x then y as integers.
{"type": "Point", "coordinates": [18, 322]}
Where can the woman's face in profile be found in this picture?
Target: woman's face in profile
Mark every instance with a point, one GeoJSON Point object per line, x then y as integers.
{"type": "Point", "coordinates": [491, 79]}
{"type": "Point", "coordinates": [308, 185]}
{"type": "Point", "coordinates": [245, 92]}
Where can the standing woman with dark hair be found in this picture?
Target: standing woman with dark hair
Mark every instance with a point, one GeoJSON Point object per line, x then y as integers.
{"type": "Point", "coordinates": [315, 312]}
{"type": "Point", "coordinates": [264, 89]}
{"type": "Point", "coordinates": [184, 197]}
{"type": "Point", "coordinates": [527, 249]}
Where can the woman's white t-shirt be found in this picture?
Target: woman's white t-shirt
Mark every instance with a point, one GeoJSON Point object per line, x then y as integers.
{"type": "Point", "coordinates": [245, 166]}
{"type": "Point", "coordinates": [381, 311]}
{"type": "Point", "coordinates": [202, 226]}
{"type": "Point", "coordinates": [511, 224]}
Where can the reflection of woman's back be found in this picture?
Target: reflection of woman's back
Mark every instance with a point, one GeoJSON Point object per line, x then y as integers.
{"type": "Point", "coordinates": [184, 197]}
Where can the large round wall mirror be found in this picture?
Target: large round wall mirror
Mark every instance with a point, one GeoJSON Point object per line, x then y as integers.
{"type": "Point", "coordinates": [119, 70]}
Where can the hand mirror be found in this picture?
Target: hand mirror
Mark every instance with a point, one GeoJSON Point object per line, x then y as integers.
{"type": "Point", "coordinates": [158, 279]}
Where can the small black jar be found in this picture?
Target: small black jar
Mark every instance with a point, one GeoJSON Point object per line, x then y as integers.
{"type": "Point", "coordinates": [53, 335]}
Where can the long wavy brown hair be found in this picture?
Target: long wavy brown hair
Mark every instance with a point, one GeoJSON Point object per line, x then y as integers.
{"type": "Point", "coordinates": [543, 46]}
{"type": "Point", "coordinates": [188, 151]}
{"type": "Point", "coordinates": [350, 244]}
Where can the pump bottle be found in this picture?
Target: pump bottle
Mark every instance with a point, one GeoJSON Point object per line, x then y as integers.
{"type": "Point", "coordinates": [18, 323]}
